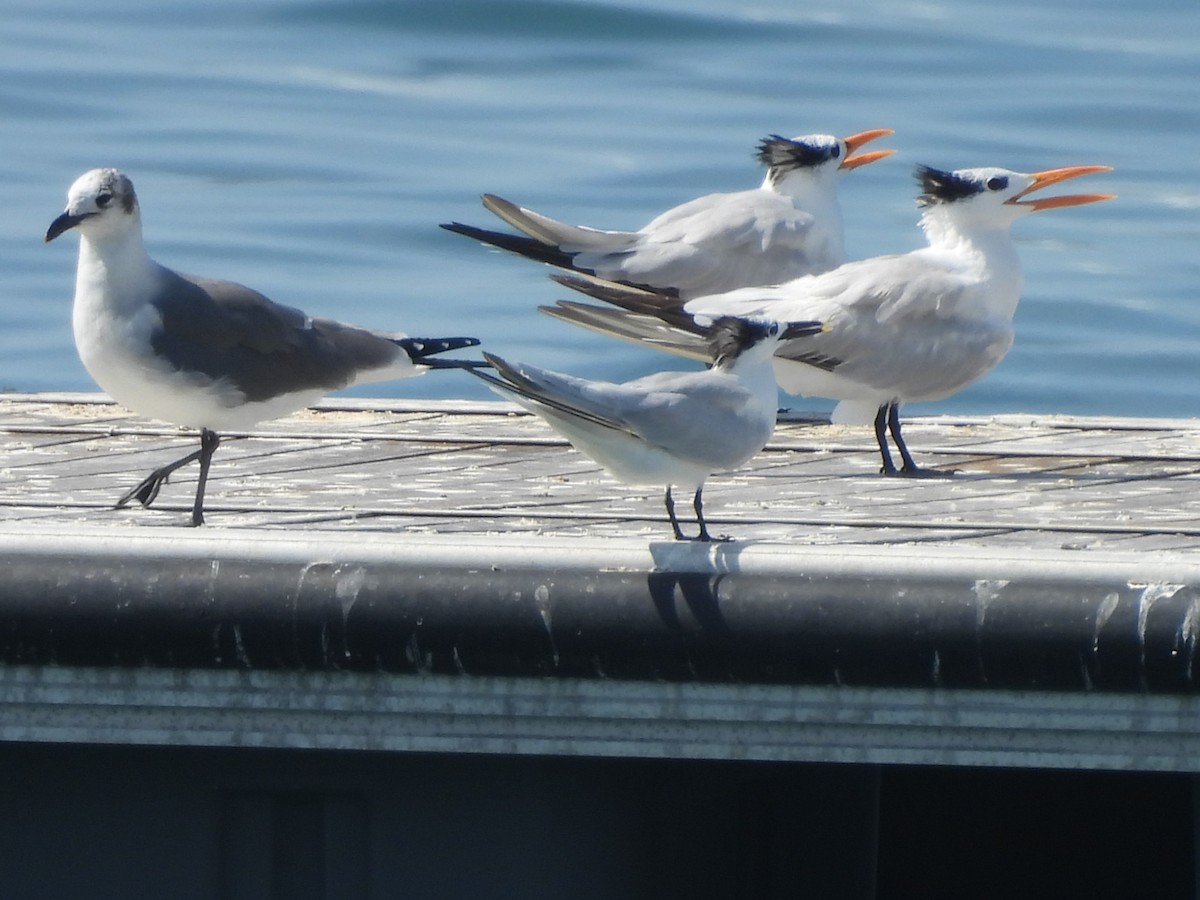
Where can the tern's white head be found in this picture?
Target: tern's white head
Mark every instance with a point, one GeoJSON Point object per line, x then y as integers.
{"type": "Point", "coordinates": [815, 158]}
{"type": "Point", "coordinates": [993, 197]}
{"type": "Point", "coordinates": [100, 203]}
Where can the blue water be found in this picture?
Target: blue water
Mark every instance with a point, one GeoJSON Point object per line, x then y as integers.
{"type": "Point", "coordinates": [309, 149]}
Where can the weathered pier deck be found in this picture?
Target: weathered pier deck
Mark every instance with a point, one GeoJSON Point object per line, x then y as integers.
{"type": "Point", "coordinates": [452, 579]}
{"type": "Point", "coordinates": [1061, 559]}
{"type": "Point", "coordinates": [452, 468]}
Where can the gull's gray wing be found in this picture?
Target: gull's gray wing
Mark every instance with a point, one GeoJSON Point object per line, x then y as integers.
{"type": "Point", "coordinates": [235, 335]}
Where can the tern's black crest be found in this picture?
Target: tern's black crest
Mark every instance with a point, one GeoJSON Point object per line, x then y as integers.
{"type": "Point", "coordinates": [782, 155]}
{"type": "Point", "coordinates": [938, 186]}
{"type": "Point", "coordinates": [729, 337]}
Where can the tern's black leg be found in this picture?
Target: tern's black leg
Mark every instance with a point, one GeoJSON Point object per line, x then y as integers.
{"type": "Point", "coordinates": [671, 513]}
{"type": "Point", "coordinates": [698, 505]}
{"type": "Point", "coordinates": [881, 427]}
{"type": "Point", "coordinates": [910, 468]}
{"type": "Point", "coordinates": [147, 490]}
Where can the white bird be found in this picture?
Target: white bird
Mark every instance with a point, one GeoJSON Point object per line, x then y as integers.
{"type": "Point", "coordinates": [203, 353]}
{"type": "Point", "coordinates": [916, 326]}
{"type": "Point", "coordinates": [790, 226]}
{"type": "Point", "coordinates": [672, 428]}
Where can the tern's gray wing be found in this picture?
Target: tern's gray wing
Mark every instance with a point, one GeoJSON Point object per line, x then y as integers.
{"type": "Point", "coordinates": [663, 305]}
{"type": "Point", "coordinates": [544, 239]}
{"type": "Point", "coordinates": [721, 241]}
{"type": "Point", "coordinates": [700, 416]}
{"type": "Point", "coordinates": [235, 335]}
{"type": "Point", "coordinates": [754, 220]}
{"type": "Point", "coordinates": [707, 416]}
{"type": "Point", "coordinates": [907, 325]}
{"type": "Point", "coordinates": [645, 330]}
{"type": "Point", "coordinates": [570, 238]}
{"type": "Point", "coordinates": [557, 393]}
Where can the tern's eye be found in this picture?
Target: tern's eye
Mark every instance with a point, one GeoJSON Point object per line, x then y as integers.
{"type": "Point", "coordinates": [773, 329]}
{"type": "Point", "coordinates": [835, 152]}
{"type": "Point", "coordinates": [102, 200]}
{"type": "Point", "coordinates": [997, 183]}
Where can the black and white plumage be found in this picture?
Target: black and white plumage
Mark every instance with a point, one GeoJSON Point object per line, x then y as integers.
{"type": "Point", "coordinates": [916, 326]}
{"type": "Point", "coordinates": [200, 352]}
{"type": "Point", "coordinates": [790, 226]}
{"type": "Point", "coordinates": [669, 428]}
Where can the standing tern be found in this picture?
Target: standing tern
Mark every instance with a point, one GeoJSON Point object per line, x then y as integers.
{"type": "Point", "coordinates": [916, 326]}
{"type": "Point", "coordinates": [788, 227]}
{"type": "Point", "coordinates": [673, 428]}
{"type": "Point", "coordinates": [203, 353]}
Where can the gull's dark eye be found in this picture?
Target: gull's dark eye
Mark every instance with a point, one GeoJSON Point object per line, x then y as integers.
{"type": "Point", "coordinates": [102, 200]}
{"type": "Point", "coordinates": [997, 183]}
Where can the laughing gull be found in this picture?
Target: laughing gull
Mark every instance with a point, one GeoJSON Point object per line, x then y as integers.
{"type": "Point", "coordinates": [204, 353]}
{"type": "Point", "coordinates": [788, 227]}
{"type": "Point", "coordinates": [917, 326]}
{"type": "Point", "coordinates": [672, 428]}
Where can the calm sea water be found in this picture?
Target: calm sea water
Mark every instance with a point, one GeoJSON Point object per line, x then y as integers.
{"type": "Point", "coordinates": [309, 149]}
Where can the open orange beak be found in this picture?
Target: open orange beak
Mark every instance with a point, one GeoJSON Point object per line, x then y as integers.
{"type": "Point", "coordinates": [857, 140]}
{"type": "Point", "coordinates": [1054, 176]}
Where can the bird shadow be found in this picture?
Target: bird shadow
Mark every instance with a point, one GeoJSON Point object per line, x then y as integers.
{"type": "Point", "coordinates": [686, 581]}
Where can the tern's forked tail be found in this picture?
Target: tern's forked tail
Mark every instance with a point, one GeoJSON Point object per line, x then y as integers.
{"type": "Point", "coordinates": [516, 243]}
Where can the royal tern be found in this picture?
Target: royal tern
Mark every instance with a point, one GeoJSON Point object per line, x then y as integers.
{"type": "Point", "coordinates": [917, 326]}
{"type": "Point", "coordinates": [203, 353]}
{"type": "Point", "coordinates": [790, 226]}
{"type": "Point", "coordinates": [672, 428]}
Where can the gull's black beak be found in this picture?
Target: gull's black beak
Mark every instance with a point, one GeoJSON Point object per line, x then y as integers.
{"type": "Point", "coordinates": [65, 222]}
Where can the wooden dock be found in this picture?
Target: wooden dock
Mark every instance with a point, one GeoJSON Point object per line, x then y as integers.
{"type": "Point", "coordinates": [450, 468]}
{"type": "Point", "coordinates": [464, 624]}
{"type": "Point", "coordinates": [371, 554]}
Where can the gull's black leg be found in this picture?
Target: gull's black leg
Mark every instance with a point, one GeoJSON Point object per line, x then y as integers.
{"type": "Point", "coordinates": [147, 490]}
{"type": "Point", "coordinates": [209, 442]}
{"type": "Point", "coordinates": [881, 426]}
{"type": "Point", "coordinates": [671, 513]}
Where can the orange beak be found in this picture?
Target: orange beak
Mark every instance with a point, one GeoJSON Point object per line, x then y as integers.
{"type": "Point", "coordinates": [1054, 176]}
{"type": "Point", "coordinates": [857, 140]}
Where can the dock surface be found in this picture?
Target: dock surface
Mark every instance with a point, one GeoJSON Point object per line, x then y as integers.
{"type": "Point", "coordinates": [452, 468]}
{"type": "Point", "coordinates": [453, 577]}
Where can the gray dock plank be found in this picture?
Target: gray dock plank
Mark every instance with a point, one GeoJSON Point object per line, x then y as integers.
{"type": "Point", "coordinates": [1045, 482]}
{"type": "Point", "coordinates": [1039, 608]}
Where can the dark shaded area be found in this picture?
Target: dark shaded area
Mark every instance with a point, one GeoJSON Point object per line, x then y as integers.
{"type": "Point", "coordinates": [982, 833]}
{"type": "Point", "coordinates": [200, 824]}
{"type": "Point", "coordinates": [111, 822]}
